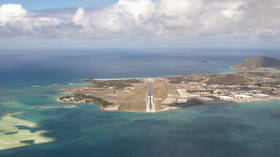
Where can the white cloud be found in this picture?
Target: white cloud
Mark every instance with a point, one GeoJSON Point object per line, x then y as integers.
{"type": "Point", "coordinates": [179, 13]}
{"type": "Point", "coordinates": [11, 13]}
{"type": "Point", "coordinates": [231, 9]}
{"type": "Point", "coordinates": [148, 19]}
{"type": "Point", "coordinates": [126, 17]}
{"type": "Point", "coordinates": [165, 18]}
{"type": "Point", "coordinates": [15, 21]}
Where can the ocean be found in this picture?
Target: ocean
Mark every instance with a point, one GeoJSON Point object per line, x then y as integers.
{"type": "Point", "coordinates": [31, 78]}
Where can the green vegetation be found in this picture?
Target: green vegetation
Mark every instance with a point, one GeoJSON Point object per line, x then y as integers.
{"type": "Point", "coordinates": [252, 74]}
{"type": "Point", "coordinates": [89, 99]}
{"type": "Point", "coordinates": [191, 102]}
{"type": "Point", "coordinates": [177, 80]}
{"type": "Point", "coordinates": [214, 75]}
{"type": "Point", "coordinates": [259, 85]}
{"type": "Point", "coordinates": [116, 84]}
{"type": "Point", "coordinates": [229, 79]}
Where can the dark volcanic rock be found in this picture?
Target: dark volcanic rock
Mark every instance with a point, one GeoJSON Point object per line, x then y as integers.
{"type": "Point", "coordinates": [258, 62]}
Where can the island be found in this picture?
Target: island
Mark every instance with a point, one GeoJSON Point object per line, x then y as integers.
{"type": "Point", "coordinates": [255, 79]}
{"type": "Point", "coordinates": [208, 62]}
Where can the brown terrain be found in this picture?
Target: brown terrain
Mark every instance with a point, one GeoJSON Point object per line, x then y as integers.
{"type": "Point", "coordinates": [229, 79]}
{"type": "Point", "coordinates": [258, 62]}
{"type": "Point", "coordinates": [162, 94]}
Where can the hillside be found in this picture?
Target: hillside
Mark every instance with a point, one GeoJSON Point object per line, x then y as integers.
{"type": "Point", "coordinates": [228, 79]}
{"type": "Point", "coordinates": [258, 62]}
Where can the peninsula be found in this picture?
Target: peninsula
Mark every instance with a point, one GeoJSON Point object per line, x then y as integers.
{"type": "Point", "coordinates": [255, 79]}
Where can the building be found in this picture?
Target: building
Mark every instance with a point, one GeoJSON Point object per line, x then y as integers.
{"type": "Point", "coordinates": [242, 96]}
{"type": "Point", "coordinates": [226, 98]}
{"type": "Point", "coordinates": [206, 99]}
{"type": "Point", "coordinates": [181, 101]}
{"type": "Point", "coordinates": [261, 95]}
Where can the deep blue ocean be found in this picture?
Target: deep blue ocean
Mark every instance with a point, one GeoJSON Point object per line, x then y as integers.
{"type": "Point", "coordinates": [218, 130]}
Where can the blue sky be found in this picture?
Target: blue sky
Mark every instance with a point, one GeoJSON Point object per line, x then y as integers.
{"type": "Point", "coordinates": [47, 4]}
{"type": "Point", "coordinates": [54, 4]}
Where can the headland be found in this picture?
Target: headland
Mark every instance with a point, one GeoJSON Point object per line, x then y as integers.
{"type": "Point", "coordinates": [248, 83]}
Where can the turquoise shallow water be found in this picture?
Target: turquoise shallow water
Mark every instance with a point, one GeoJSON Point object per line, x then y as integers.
{"type": "Point", "coordinates": [218, 130]}
{"type": "Point", "coordinates": [248, 129]}
{"type": "Point", "coordinates": [245, 129]}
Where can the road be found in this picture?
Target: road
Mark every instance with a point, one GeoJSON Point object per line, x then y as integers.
{"type": "Point", "coordinates": [150, 103]}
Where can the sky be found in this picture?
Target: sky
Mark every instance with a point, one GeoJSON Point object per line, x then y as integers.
{"type": "Point", "coordinates": [48, 4]}
{"type": "Point", "coordinates": [136, 23]}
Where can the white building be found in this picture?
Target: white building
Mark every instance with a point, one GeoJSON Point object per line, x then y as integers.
{"type": "Point", "coordinates": [242, 96]}
{"type": "Point", "coordinates": [261, 95]}
{"type": "Point", "coordinates": [181, 101]}
{"type": "Point", "coordinates": [207, 99]}
{"type": "Point", "coordinates": [226, 98]}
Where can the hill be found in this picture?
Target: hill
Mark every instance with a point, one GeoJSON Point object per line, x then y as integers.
{"type": "Point", "coordinates": [228, 79]}
{"type": "Point", "coordinates": [258, 62]}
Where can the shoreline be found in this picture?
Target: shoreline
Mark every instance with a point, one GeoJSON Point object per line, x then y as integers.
{"type": "Point", "coordinates": [163, 76]}
{"type": "Point", "coordinates": [170, 92]}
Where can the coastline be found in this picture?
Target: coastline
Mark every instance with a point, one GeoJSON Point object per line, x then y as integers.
{"type": "Point", "coordinates": [162, 76]}
{"type": "Point", "coordinates": [205, 89]}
